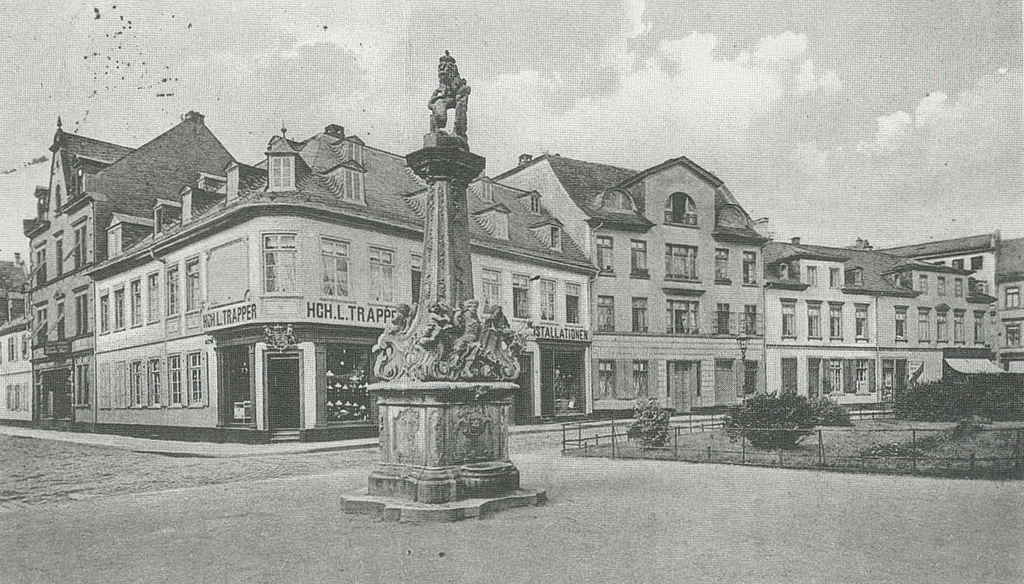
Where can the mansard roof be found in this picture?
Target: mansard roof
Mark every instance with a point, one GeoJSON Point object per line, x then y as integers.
{"type": "Point", "coordinates": [587, 182]}
{"type": "Point", "coordinates": [876, 266]}
{"type": "Point", "coordinates": [973, 243]}
{"type": "Point", "coordinates": [389, 199]}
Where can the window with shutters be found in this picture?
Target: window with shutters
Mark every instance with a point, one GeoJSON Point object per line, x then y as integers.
{"type": "Point", "coordinates": [155, 387]}
{"type": "Point", "coordinates": [640, 379]}
{"type": "Point", "coordinates": [153, 296]}
{"type": "Point", "coordinates": [606, 382]}
{"type": "Point", "coordinates": [547, 300]}
{"type": "Point", "coordinates": [135, 301]}
{"type": "Point", "coordinates": [136, 393]}
{"type": "Point", "coordinates": [639, 315]}
{"type": "Point", "coordinates": [195, 378]}
{"type": "Point", "coordinates": [82, 314]}
{"type": "Point", "coordinates": [174, 386]}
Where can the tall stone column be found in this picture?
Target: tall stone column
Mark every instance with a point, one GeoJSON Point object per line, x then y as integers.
{"type": "Point", "coordinates": [445, 398]}
{"type": "Point", "coordinates": [448, 169]}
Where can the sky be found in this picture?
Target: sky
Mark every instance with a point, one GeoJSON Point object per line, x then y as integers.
{"type": "Point", "coordinates": [894, 121]}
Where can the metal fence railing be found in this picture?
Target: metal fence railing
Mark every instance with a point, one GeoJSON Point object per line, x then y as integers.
{"type": "Point", "coordinates": [982, 452]}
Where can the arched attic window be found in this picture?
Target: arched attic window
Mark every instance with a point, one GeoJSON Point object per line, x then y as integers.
{"type": "Point", "coordinates": [680, 209]}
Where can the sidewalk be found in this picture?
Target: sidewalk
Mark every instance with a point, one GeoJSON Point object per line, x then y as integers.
{"type": "Point", "coordinates": [214, 449]}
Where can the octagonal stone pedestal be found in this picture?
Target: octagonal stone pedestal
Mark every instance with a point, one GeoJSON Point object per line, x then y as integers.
{"type": "Point", "coordinates": [443, 453]}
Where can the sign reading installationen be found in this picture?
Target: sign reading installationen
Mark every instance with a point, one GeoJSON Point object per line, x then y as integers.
{"type": "Point", "coordinates": [560, 333]}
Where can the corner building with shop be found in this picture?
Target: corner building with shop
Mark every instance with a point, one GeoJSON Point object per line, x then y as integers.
{"type": "Point", "coordinates": [677, 300]}
{"type": "Point", "coordinates": [250, 315]}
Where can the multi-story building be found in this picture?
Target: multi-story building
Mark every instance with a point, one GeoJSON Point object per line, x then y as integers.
{"type": "Point", "coordinates": [15, 366]}
{"type": "Point", "coordinates": [855, 324]}
{"type": "Point", "coordinates": [15, 371]}
{"type": "Point", "coordinates": [677, 299]}
{"type": "Point", "coordinates": [252, 315]}
{"type": "Point", "coordinates": [1009, 309]}
{"type": "Point", "coordinates": [100, 197]}
{"type": "Point", "coordinates": [976, 253]}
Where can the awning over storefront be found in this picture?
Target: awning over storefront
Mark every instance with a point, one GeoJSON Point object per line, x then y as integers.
{"type": "Point", "coordinates": [973, 366]}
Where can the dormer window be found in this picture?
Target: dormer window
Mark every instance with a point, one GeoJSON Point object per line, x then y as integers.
{"type": "Point", "coordinates": [487, 191]}
{"type": "Point", "coordinates": [56, 199]}
{"type": "Point", "coordinates": [535, 203]}
{"type": "Point", "coordinates": [355, 151]}
{"type": "Point", "coordinates": [208, 182]}
{"type": "Point", "coordinates": [855, 277]}
{"type": "Point", "coordinates": [494, 220]}
{"type": "Point", "coordinates": [114, 241]}
{"type": "Point", "coordinates": [680, 210]}
{"type": "Point", "coordinates": [556, 238]}
{"type": "Point", "coordinates": [351, 185]}
{"type": "Point", "coordinates": [618, 201]}
{"type": "Point", "coordinates": [282, 173]}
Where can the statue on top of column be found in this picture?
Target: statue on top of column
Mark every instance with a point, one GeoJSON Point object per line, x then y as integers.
{"type": "Point", "coordinates": [452, 93]}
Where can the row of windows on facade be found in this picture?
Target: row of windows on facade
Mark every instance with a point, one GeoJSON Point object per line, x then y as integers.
{"type": "Point", "coordinates": [17, 348]}
{"type": "Point", "coordinates": [679, 207]}
{"type": "Point", "coordinates": [280, 275]}
{"type": "Point", "coordinates": [42, 322]}
{"type": "Point", "coordinates": [835, 322]}
{"type": "Point", "coordinates": [825, 376]}
{"type": "Point", "coordinates": [680, 261]}
{"type": "Point", "coordinates": [977, 263]}
{"type": "Point", "coordinates": [140, 383]}
{"type": "Point", "coordinates": [19, 398]}
{"type": "Point", "coordinates": [77, 255]}
{"type": "Point", "coordinates": [682, 317]}
{"type": "Point", "coordinates": [614, 383]}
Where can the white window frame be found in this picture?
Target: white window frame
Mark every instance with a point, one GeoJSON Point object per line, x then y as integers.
{"type": "Point", "coordinates": [382, 274]}
{"type": "Point", "coordinates": [334, 263]}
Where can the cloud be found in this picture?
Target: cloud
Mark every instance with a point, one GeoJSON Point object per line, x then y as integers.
{"type": "Point", "coordinates": [931, 109]}
{"type": "Point", "coordinates": [782, 48]}
{"type": "Point", "coordinates": [635, 25]}
{"type": "Point", "coordinates": [893, 130]}
{"type": "Point", "coordinates": [686, 98]}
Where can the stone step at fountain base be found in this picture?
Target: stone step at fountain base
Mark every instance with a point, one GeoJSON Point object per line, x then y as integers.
{"type": "Point", "coordinates": [392, 509]}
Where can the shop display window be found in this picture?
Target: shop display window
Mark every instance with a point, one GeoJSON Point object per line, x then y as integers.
{"type": "Point", "coordinates": [348, 372]}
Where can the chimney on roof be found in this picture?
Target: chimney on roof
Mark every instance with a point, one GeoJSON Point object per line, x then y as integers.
{"type": "Point", "coordinates": [194, 116]}
{"type": "Point", "coordinates": [795, 240]}
{"type": "Point", "coordinates": [524, 158]}
{"type": "Point", "coordinates": [18, 261]}
{"type": "Point", "coordinates": [335, 131]}
{"type": "Point", "coordinates": [862, 244]}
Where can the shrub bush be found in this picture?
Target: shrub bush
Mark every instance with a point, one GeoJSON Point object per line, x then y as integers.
{"type": "Point", "coordinates": [771, 421]}
{"type": "Point", "coordinates": [829, 413]}
{"type": "Point", "coordinates": [650, 424]}
{"type": "Point", "coordinates": [993, 396]}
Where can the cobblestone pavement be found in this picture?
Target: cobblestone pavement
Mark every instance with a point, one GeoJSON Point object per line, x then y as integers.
{"type": "Point", "coordinates": [34, 472]}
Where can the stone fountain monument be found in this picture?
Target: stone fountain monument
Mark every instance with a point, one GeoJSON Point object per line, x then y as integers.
{"type": "Point", "coordinates": [446, 368]}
